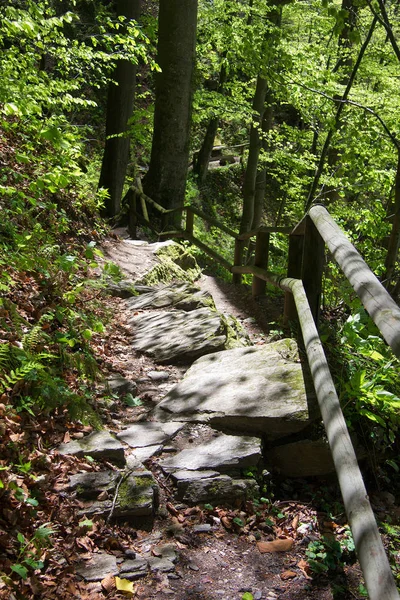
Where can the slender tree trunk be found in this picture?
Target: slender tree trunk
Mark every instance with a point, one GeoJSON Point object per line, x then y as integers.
{"type": "Point", "coordinates": [261, 179]}
{"type": "Point", "coordinates": [344, 65]}
{"type": "Point", "coordinates": [204, 155]}
{"type": "Point", "coordinates": [165, 181]}
{"type": "Point", "coordinates": [249, 185]}
{"type": "Point", "coordinates": [394, 239]}
{"type": "Point", "coordinates": [119, 110]}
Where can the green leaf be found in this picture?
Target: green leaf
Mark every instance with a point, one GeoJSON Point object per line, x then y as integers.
{"type": "Point", "coordinates": [132, 401]}
{"type": "Point", "coordinates": [20, 570]}
{"type": "Point", "coordinates": [86, 334]}
{"type": "Point", "coordinates": [247, 596]}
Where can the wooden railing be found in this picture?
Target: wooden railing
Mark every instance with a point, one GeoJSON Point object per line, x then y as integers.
{"type": "Point", "coordinates": [302, 288]}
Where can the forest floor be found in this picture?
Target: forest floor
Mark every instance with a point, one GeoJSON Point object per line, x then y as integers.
{"type": "Point", "coordinates": [220, 560]}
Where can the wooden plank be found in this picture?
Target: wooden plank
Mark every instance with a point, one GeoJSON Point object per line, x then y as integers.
{"type": "Point", "coordinates": [295, 261]}
{"type": "Point", "coordinates": [370, 551]}
{"type": "Point", "coordinates": [260, 260]}
{"type": "Point", "coordinates": [376, 300]}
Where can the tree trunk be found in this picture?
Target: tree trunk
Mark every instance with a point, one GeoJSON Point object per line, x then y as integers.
{"type": "Point", "coordinates": [249, 185]}
{"type": "Point", "coordinates": [204, 155]}
{"type": "Point", "coordinates": [165, 181]}
{"type": "Point", "coordinates": [261, 179]}
{"type": "Point", "coordinates": [394, 239]}
{"type": "Point", "coordinates": [119, 110]}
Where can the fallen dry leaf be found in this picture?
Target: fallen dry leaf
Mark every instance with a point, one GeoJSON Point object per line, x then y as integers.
{"type": "Point", "coordinates": [288, 575]}
{"type": "Point", "coordinates": [275, 546]}
{"type": "Point", "coordinates": [108, 583]}
{"type": "Point", "coordinates": [304, 568]}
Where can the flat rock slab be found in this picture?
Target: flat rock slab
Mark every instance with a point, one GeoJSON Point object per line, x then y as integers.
{"type": "Point", "coordinates": [219, 489]}
{"type": "Point", "coordinates": [100, 445]}
{"type": "Point", "coordinates": [178, 336]}
{"type": "Point", "coordinates": [134, 569]}
{"type": "Point", "coordinates": [223, 453]}
{"type": "Point", "coordinates": [136, 494]}
{"type": "Point", "coordinates": [183, 296]}
{"type": "Point", "coordinates": [97, 567]}
{"type": "Point", "coordinates": [140, 435]}
{"type": "Point", "coordinates": [252, 390]}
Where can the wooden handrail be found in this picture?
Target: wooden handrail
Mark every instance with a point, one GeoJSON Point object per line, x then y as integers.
{"type": "Point", "coordinates": [375, 298]}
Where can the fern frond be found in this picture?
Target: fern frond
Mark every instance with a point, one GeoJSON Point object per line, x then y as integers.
{"type": "Point", "coordinates": [8, 380]}
{"type": "Point", "coordinates": [32, 339]}
{"type": "Point", "coordinates": [5, 356]}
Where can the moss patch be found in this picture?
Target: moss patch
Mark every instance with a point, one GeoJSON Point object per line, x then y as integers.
{"type": "Point", "coordinates": [176, 263]}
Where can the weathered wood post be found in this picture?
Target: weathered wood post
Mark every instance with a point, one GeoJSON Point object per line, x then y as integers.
{"type": "Point", "coordinates": [132, 216]}
{"type": "Point", "coordinates": [295, 261]}
{"type": "Point", "coordinates": [260, 260]}
{"type": "Point", "coordinates": [313, 266]}
{"type": "Point", "coordinates": [189, 221]}
{"type": "Point", "coordinates": [238, 259]}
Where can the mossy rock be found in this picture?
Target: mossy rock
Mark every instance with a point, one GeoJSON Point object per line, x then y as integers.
{"type": "Point", "coordinates": [175, 263]}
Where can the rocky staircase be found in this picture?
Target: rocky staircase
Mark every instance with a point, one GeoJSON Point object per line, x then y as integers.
{"type": "Point", "coordinates": [214, 429]}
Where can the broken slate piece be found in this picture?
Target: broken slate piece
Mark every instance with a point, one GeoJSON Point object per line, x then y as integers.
{"type": "Point", "coordinates": [122, 289]}
{"type": "Point", "coordinates": [117, 384]}
{"type": "Point", "coordinates": [183, 478]}
{"type": "Point", "coordinates": [133, 569]}
{"type": "Point", "coordinates": [98, 567]}
{"type": "Point", "coordinates": [149, 433]}
{"type": "Point", "coordinates": [161, 564]}
{"type": "Point", "coordinates": [158, 375]}
{"type": "Point", "coordinates": [143, 454]}
{"type": "Point", "coordinates": [100, 445]}
{"type": "Point", "coordinates": [137, 494]}
{"type": "Point", "coordinates": [220, 489]}
{"type": "Point", "coordinates": [223, 453]}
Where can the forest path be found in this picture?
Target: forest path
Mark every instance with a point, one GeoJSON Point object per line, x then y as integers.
{"type": "Point", "coordinates": [215, 549]}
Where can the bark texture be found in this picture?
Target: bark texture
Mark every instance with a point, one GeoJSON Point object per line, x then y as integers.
{"type": "Point", "coordinates": [166, 179]}
{"type": "Point", "coordinates": [119, 110]}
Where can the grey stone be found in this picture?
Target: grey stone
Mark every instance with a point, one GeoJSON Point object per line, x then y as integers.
{"type": "Point", "coordinates": [253, 390]}
{"type": "Point", "coordinates": [143, 454]}
{"type": "Point", "coordinates": [134, 569]}
{"type": "Point", "coordinates": [220, 489]}
{"type": "Point", "coordinates": [184, 296]}
{"type": "Point", "coordinates": [137, 493]}
{"type": "Point", "coordinates": [223, 453]}
{"type": "Point", "coordinates": [98, 567]}
{"type": "Point", "coordinates": [167, 551]}
{"type": "Point", "coordinates": [149, 433]}
{"type": "Point", "coordinates": [158, 375]}
{"type": "Point", "coordinates": [161, 564]}
{"type": "Point", "coordinates": [178, 336]}
{"type": "Point", "coordinates": [304, 458]}
{"type": "Point", "coordinates": [202, 528]}
{"type": "Point", "coordinates": [122, 289]}
{"type": "Point", "coordinates": [117, 384]}
{"type": "Point", "coordinates": [100, 445]}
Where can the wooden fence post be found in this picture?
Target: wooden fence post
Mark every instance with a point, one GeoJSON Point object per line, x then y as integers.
{"type": "Point", "coordinates": [237, 260]}
{"type": "Point", "coordinates": [132, 220]}
{"type": "Point", "coordinates": [260, 260]}
{"type": "Point", "coordinates": [189, 221]}
{"type": "Point", "coordinates": [313, 266]}
{"type": "Point", "coordinates": [295, 261]}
